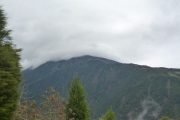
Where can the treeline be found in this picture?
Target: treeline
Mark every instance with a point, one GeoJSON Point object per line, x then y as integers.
{"type": "Point", "coordinates": [54, 107]}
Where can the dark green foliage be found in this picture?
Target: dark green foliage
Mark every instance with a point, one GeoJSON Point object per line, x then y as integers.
{"type": "Point", "coordinates": [4, 33]}
{"type": "Point", "coordinates": [77, 106]}
{"type": "Point", "coordinates": [9, 73]}
{"type": "Point", "coordinates": [110, 115]}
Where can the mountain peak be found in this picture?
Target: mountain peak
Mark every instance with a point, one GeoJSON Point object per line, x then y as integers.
{"type": "Point", "coordinates": [109, 83]}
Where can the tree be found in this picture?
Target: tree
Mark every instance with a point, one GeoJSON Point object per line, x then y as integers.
{"type": "Point", "coordinates": [4, 33]}
{"type": "Point", "coordinates": [77, 106]}
{"type": "Point", "coordinates": [28, 110]}
{"type": "Point", "coordinates": [10, 76]}
{"type": "Point", "coordinates": [53, 106]}
{"type": "Point", "coordinates": [110, 115]}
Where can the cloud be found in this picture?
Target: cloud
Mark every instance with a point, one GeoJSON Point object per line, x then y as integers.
{"type": "Point", "coordinates": [136, 31]}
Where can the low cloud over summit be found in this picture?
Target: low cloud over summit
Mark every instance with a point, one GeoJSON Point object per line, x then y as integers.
{"type": "Point", "coordinates": [136, 31]}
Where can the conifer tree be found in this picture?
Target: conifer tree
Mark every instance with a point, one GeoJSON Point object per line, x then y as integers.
{"type": "Point", "coordinates": [9, 72]}
{"type": "Point", "coordinates": [4, 33]}
{"type": "Point", "coordinates": [77, 106]}
{"type": "Point", "coordinates": [110, 115]}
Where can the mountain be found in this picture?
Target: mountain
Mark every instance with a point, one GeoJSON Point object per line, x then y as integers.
{"type": "Point", "coordinates": [135, 92]}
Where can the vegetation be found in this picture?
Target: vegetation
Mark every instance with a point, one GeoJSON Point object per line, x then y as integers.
{"type": "Point", "coordinates": [52, 108]}
{"type": "Point", "coordinates": [10, 76]}
{"type": "Point", "coordinates": [110, 115]}
{"type": "Point", "coordinates": [166, 118]}
{"type": "Point", "coordinates": [77, 106]}
{"type": "Point", "coordinates": [28, 110]}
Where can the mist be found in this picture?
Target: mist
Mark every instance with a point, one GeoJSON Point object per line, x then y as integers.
{"type": "Point", "coordinates": [133, 31]}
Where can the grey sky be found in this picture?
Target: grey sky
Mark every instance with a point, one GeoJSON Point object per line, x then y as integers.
{"type": "Point", "coordinates": [138, 31]}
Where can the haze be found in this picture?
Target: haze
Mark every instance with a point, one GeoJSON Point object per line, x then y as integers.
{"type": "Point", "coordinates": [144, 32]}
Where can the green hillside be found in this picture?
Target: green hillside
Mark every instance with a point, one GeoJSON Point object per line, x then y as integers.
{"type": "Point", "coordinates": [134, 92]}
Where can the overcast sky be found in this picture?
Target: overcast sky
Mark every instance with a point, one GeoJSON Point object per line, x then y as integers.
{"type": "Point", "coordinates": [144, 32]}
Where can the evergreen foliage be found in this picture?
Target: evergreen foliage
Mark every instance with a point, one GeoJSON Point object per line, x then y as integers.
{"type": "Point", "coordinates": [9, 72]}
{"type": "Point", "coordinates": [77, 106]}
{"type": "Point", "coordinates": [110, 115]}
{"type": "Point", "coordinates": [4, 33]}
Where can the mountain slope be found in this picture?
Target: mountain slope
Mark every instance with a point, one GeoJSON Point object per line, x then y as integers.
{"type": "Point", "coordinates": [133, 91]}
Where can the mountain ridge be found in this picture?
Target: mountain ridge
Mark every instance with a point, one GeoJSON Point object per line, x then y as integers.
{"type": "Point", "coordinates": [104, 58]}
{"type": "Point", "coordinates": [128, 88]}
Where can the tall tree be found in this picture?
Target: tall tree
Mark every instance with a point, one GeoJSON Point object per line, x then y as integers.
{"type": "Point", "coordinates": [9, 72]}
{"type": "Point", "coordinates": [110, 115]}
{"type": "Point", "coordinates": [77, 106]}
{"type": "Point", "coordinates": [4, 33]}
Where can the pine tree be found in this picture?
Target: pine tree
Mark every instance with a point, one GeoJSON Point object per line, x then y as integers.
{"type": "Point", "coordinates": [9, 72]}
{"type": "Point", "coordinates": [110, 115]}
{"type": "Point", "coordinates": [4, 33]}
{"type": "Point", "coordinates": [77, 106]}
